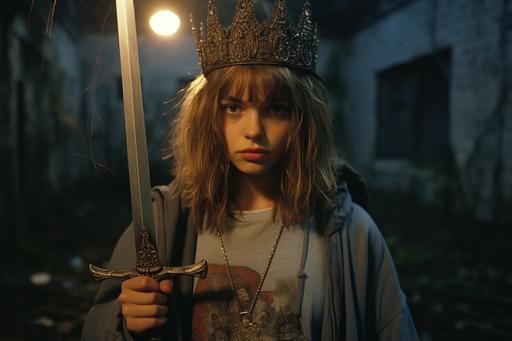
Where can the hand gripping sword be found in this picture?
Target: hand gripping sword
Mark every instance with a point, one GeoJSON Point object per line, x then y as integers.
{"type": "Point", "coordinates": [147, 260]}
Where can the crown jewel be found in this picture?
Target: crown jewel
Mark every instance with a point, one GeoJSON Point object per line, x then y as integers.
{"type": "Point", "coordinates": [248, 41]}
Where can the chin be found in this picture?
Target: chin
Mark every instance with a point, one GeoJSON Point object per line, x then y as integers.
{"type": "Point", "coordinates": [249, 168]}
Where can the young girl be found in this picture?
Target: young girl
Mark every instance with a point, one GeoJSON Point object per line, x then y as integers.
{"type": "Point", "coordinates": [260, 193]}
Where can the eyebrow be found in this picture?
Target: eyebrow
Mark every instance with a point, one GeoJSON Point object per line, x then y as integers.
{"type": "Point", "coordinates": [232, 99]}
{"type": "Point", "coordinates": [279, 100]}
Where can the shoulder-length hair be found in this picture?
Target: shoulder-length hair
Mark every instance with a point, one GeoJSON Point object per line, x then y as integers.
{"type": "Point", "coordinates": [202, 168]}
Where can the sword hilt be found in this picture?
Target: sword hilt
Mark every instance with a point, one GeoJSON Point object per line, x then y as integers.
{"type": "Point", "coordinates": [199, 270]}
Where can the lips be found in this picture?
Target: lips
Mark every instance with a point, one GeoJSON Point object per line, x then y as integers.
{"type": "Point", "coordinates": [253, 154]}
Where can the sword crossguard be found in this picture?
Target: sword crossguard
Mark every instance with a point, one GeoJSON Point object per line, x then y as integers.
{"type": "Point", "coordinates": [148, 264]}
{"type": "Point", "coordinates": [199, 270]}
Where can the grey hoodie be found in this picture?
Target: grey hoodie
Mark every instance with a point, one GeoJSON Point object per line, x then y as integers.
{"type": "Point", "coordinates": [364, 300]}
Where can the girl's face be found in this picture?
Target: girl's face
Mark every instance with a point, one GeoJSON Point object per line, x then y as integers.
{"type": "Point", "coordinates": [256, 133]}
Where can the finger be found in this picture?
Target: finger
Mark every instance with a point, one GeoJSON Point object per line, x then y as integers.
{"type": "Point", "coordinates": [143, 298]}
{"type": "Point", "coordinates": [166, 286]}
{"type": "Point", "coordinates": [138, 325]}
{"type": "Point", "coordinates": [141, 283]}
{"type": "Point", "coordinates": [135, 310]}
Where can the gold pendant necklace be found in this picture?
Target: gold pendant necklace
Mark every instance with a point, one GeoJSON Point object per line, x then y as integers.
{"type": "Point", "coordinates": [246, 329]}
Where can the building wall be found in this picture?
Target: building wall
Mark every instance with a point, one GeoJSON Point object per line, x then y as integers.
{"type": "Point", "coordinates": [62, 117]}
{"type": "Point", "coordinates": [471, 30]}
{"type": "Point", "coordinates": [44, 104]}
{"type": "Point", "coordinates": [41, 135]}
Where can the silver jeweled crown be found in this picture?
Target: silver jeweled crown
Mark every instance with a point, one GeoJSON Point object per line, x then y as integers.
{"type": "Point", "coordinates": [248, 41]}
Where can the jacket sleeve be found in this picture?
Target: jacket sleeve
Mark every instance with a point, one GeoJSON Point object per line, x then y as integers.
{"type": "Point", "coordinates": [393, 321]}
{"type": "Point", "coordinates": [104, 320]}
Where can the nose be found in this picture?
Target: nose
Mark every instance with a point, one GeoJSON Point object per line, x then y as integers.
{"type": "Point", "coordinates": [254, 126]}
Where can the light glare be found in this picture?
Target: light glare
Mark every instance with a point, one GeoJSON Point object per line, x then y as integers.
{"type": "Point", "coordinates": [164, 23]}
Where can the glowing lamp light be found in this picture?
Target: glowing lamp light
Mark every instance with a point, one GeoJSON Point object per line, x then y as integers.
{"type": "Point", "coordinates": [164, 23]}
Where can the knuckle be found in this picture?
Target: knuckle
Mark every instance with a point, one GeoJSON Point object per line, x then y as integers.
{"type": "Point", "coordinates": [122, 297]}
{"type": "Point", "coordinates": [125, 310]}
{"type": "Point", "coordinates": [144, 281]}
{"type": "Point", "coordinates": [147, 282]}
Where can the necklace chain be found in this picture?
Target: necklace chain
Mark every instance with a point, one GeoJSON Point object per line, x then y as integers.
{"type": "Point", "coordinates": [248, 313]}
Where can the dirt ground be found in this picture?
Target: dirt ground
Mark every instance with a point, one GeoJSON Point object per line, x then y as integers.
{"type": "Point", "coordinates": [454, 271]}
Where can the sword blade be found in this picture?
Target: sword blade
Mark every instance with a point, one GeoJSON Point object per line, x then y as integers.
{"type": "Point", "coordinates": [138, 165]}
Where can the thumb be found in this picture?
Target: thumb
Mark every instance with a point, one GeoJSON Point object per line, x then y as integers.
{"type": "Point", "coordinates": [166, 286]}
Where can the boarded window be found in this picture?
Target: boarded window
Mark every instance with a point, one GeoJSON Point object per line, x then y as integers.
{"type": "Point", "coordinates": [413, 109]}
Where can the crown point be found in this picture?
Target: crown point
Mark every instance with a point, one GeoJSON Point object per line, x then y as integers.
{"type": "Point", "coordinates": [212, 20]}
{"type": "Point", "coordinates": [306, 20]}
{"type": "Point", "coordinates": [212, 9]}
{"type": "Point", "coordinates": [244, 11]}
{"type": "Point", "coordinates": [279, 15]}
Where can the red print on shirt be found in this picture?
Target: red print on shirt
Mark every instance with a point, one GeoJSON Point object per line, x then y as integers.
{"type": "Point", "coordinates": [216, 310]}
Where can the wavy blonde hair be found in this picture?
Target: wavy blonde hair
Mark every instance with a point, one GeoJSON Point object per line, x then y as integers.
{"type": "Point", "coordinates": [202, 173]}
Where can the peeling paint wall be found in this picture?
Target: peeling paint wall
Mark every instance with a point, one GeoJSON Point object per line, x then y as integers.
{"type": "Point", "coordinates": [480, 180]}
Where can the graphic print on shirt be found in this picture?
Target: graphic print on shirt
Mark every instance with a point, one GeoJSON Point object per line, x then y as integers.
{"type": "Point", "coordinates": [216, 311]}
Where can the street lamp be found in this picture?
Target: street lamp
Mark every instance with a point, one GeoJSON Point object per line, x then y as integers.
{"type": "Point", "coordinates": [164, 23]}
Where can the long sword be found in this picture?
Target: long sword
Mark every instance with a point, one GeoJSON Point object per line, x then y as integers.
{"type": "Point", "coordinates": [147, 260]}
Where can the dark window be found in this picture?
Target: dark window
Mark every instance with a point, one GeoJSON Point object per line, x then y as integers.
{"type": "Point", "coordinates": [413, 109]}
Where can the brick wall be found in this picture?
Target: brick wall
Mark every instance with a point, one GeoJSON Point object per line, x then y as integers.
{"type": "Point", "coordinates": [471, 30]}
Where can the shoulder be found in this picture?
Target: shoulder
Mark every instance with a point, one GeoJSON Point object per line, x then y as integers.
{"type": "Point", "coordinates": [360, 221]}
{"type": "Point", "coordinates": [166, 197]}
{"type": "Point", "coordinates": [360, 217]}
{"type": "Point", "coordinates": [360, 227]}
{"type": "Point", "coordinates": [166, 192]}
{"type": "Point", "coordinates": [354, 224]}
{"type": "Point", "coordinates": [347, 215]}
{"type": "Point", "coordinates": [355, 184]}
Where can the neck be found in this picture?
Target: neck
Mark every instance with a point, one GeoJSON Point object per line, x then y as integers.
{"type": "Point", "coordinates": [255, 192]}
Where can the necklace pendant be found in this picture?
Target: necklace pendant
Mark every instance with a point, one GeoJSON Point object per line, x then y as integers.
{"type": "Point", "coordinates": [246, 330]}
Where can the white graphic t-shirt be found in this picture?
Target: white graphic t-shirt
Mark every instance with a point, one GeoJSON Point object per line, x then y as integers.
{"type": "Point", "coordinates": [282, 306]}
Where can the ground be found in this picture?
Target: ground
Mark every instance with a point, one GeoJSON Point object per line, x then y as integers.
{"type": "Point", "coordinates": [455, 271]}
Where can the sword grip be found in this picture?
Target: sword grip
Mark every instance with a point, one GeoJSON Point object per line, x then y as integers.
{"type": "Point", "coordinates": [199, 270]}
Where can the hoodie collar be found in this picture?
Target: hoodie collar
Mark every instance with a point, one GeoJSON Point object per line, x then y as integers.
{"type": "Point", "coordinates": [340, 209]}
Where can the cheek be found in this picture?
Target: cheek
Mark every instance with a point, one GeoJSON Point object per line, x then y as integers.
{"type": "Point", "coordinates": [284, 138]}
{"type": "Point", "coordinates": [228, 138]}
